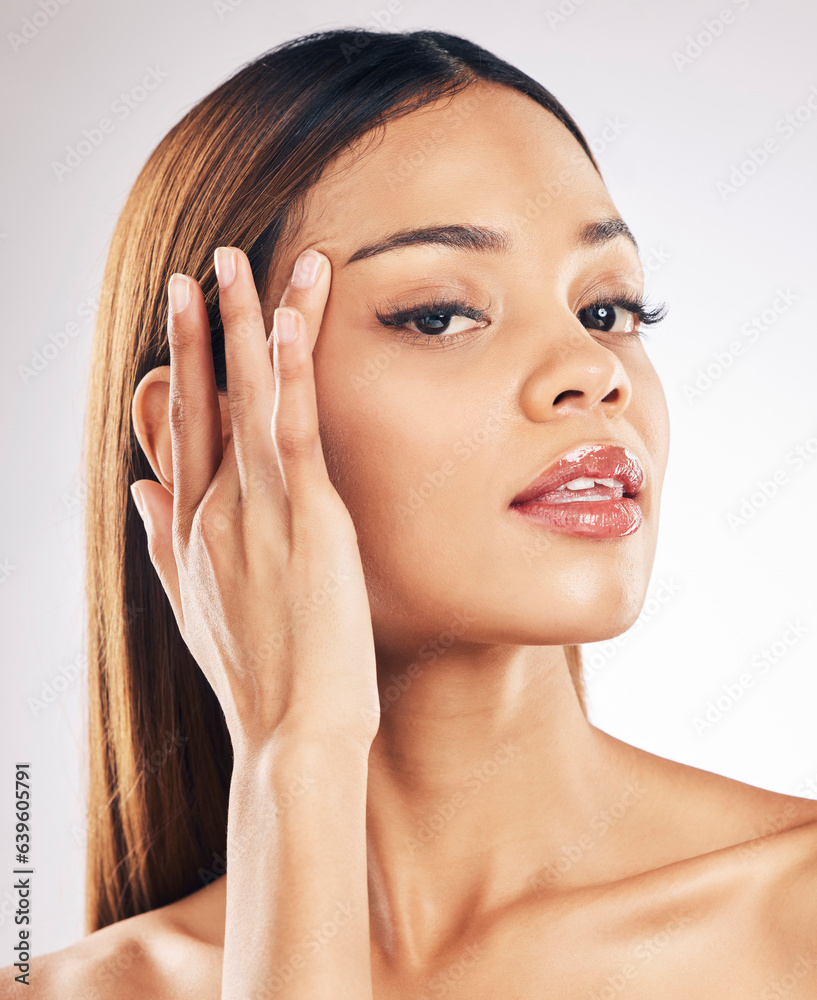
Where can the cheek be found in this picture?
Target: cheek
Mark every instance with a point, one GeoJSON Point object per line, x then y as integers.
{"type": "Point", "coordinates": [405, 454]}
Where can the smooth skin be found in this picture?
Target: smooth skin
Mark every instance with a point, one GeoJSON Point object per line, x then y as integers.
{"type": "Point", "coordinates": [457, 828]}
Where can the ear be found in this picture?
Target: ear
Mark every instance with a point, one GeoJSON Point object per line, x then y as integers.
{"type": "Point", "coordinates": [150, 412]}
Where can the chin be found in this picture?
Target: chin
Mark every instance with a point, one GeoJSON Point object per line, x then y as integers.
{"type": "Point", "coordinates": [574, 605]}
{"type": "Point", "coordinates": [566, 632]}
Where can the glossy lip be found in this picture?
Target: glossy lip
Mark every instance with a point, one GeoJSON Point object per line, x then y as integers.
{"type": "Point", "coordinates": [597, 460]}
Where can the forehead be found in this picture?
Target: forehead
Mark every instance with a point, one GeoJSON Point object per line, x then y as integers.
{"type": "Point", "coordinates": [488, 156]}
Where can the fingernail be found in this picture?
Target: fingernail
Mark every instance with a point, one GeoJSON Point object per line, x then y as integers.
{"type": "Point", "coordinates": [284, 326]}
{"type": "Point", "coordinates": [225, 266]}
{"type": "Point", "coordinates": [136, 493]}
{"type": "Point", "coordinates": [178, 292]}
{"type": "Point", "coordinates": [306, 269]}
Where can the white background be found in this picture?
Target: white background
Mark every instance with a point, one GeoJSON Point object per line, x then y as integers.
{"type": "Point", "coordinates": [679, 130]}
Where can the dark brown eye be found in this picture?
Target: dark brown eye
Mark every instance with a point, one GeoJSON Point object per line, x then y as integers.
{"type": "Point", "coordinates": [433, 322]}
{"type": "Point", "coordinates": [602, 316]}
{"type": "Point", "coordinates": [441, 319]}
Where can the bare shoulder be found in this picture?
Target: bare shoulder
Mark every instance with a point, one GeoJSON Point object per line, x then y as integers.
{"type": "Point", "coordinates": [160, 954]}
{"type": "Point", "coordinates": [764, 895]}
{"type": "Point", "coordinates": [724, 882]}
{"type": "Point", "coordinates": [787, 863]}
{"type": "Point", "coordinates": [748, 863]}
{"type": "Point", "coordinates": [116, 961]}
{"type": "Point", "coordinates": [710, 811]}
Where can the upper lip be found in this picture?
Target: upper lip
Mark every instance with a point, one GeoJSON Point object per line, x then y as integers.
{"type": "Point", "coordinates": [597, 460]}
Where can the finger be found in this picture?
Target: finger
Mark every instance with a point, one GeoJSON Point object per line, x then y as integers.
{"type": "Point", "coordinates": [250, 383]}
{"type": "Point", "coordinates": [307, 292]}
{"type": "Point", "coordinates": [194, 413]}
{"type": "Point", "coordinates": [155, 505]}
{"type": "Point", "coordinates": [295, 428]}
{"type": "Point", "coordinates": [308, 289]}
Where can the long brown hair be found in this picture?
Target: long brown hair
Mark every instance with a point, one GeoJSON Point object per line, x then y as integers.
{"type": "Point", "coordinates": [233, 172]}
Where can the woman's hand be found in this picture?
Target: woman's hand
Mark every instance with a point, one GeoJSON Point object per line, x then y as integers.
{"type": "Point", "coordinates": [258, 556]}
{"type": "Point", "coordinates": [254, 547]}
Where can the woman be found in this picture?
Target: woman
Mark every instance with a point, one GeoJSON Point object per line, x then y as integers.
{"type": "Point", "coordinates": [345, 630]}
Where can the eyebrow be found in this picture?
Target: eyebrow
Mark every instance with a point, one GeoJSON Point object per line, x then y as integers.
{"type": "Point", "coordinates": [483, 239]}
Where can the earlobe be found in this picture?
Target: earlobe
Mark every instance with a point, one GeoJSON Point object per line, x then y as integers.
{"type": "Point", "coordinates": [151, 423]}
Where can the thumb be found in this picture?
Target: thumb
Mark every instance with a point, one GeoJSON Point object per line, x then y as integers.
{"type": "Point", "coordinates": [155, 506]}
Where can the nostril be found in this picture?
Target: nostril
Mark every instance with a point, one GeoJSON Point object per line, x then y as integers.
{"type": "Point", "coordinates": [566, 393]}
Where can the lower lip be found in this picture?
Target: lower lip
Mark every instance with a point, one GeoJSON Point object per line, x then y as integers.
{"type": "Point", "coordinates": [591, 518]}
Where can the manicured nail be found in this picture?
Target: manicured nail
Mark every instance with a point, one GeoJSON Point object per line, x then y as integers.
{"type": "Point", "coordinates": [225, 266]}
{"type": "Point", "coordinates": [136, 493]}
{"type": "Point", "coordinates": [306, 269]}
{"type": "Point", "coordinates": [178, 292]}
{"type": "Point", "coordinates": [284, 326]}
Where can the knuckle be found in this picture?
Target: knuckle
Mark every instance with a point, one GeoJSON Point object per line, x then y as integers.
{"type": "Point", "coordinates": [260, 477]}
{"type": "Point", "coordinates": [181, 335]}
{"type": "Point", "coordinates": [242, 396]}
{"type": "Point", "coordinates": [294, 442]}
{"type": "Point", "coordinates": [184, 411]}
{"type": "Point", "coordinates": [210, 524]}
{"type": "Point", "coordinates": [292, 370]}
{"type": "Point", "coordinates": [239, 324]}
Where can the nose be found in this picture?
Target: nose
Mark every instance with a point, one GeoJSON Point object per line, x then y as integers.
{"type": "Point", "coordinates": [573, 374]}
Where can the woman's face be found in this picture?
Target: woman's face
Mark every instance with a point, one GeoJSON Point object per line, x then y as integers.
{"type": "Point", "coordinates": [429, 440]}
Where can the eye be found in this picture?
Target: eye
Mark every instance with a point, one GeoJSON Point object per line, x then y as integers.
{"type": "Point", "coordinates": [622, 314]}
{"type": "Point", "coordinates": [438, 322]}
{"type": "Point", "coordinates": [435, 323]}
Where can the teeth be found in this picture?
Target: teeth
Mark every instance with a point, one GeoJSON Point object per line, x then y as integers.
{"type": "Point", "coordinates": [585, 483]}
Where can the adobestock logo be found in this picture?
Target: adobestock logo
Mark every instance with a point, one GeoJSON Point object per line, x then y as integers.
{"type": "Point", "coordinates": [54, 687]}
{"type": "Point", "coordinates": [777, 989]}
{"type": "Point", "coordinates": [374, 367]}
{"type": "Point", "coordinates": [41, 357]}
{"type": "Point", "coordinates": [121, 108]}
{"type": "Point", "coordinates": [721, 361]}
{"type": "Point", "coordinates": [430, 827]}
{"type": "Point", "coordinates": [617, 982]}
{"type": "Point", "coordinates": [34, 24]}
{"type": "Point", "coordinates": [601, 654]}
{"type": "Point", "coordinates": [709, 32]}
{"type": "Point", "coordinates": [556, 16]}
{"type": "Point", "coordinates": [612, 129]}
{"type": "Point", "coordinates": [761, 663]}
{"type": "Point", "coordinates": [576, 850]}
{"type": "Point", "coordinates": [435, 479]}
{"type": "Point", "coordinates": [6, 569]}
{"type": "Point", "coordinates": [766, 489]}
{"type": "Point", "coordinates": [427, 145]}
{"type": "Point", "coordinates": [391, 689]}
{"type": "Point", "coordinates": [788, 125]}
{"type": "Point", "coordinates": [379, 19]}
{"type": "Point", "coordinates": [452, 975]}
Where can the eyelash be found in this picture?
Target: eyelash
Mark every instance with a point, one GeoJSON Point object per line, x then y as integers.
{"type": "Point", "coordinates": [397, 317]}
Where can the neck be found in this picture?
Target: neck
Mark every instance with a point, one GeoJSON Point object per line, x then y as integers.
{"type": "Point", "coordinates": [486, 786]}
